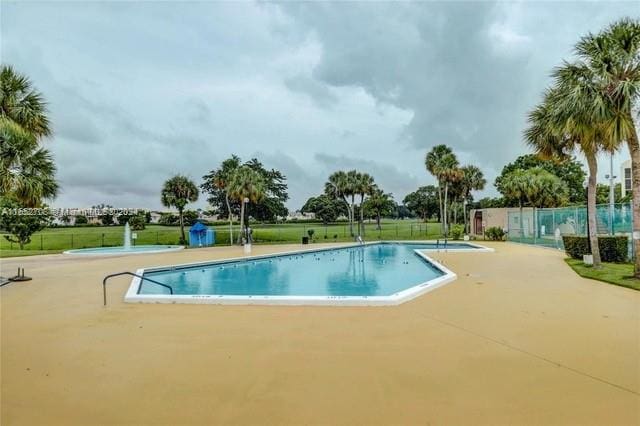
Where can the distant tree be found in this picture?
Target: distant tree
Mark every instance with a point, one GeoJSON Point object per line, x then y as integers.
{"type": "Point", "coordinates": [325, 208]}
{"type": "Point", "coordinates": [106, 216]}
{"type": "Point", "coordinates": [423, 202]}
{"type": "Point", "coordinates": [472, 179]}
{"type": "Point", "coordinates": [340, 186]}
{"type": "Point", "coordinates": [364, 187]}
{"type": "Point", "coordinates": [489, 202]}
{"type": "Point", "coordinates": [137, 222]}
{"type": "Point", "coordinates": [20, 227]}
{"type": "Point", "coordinates": [402, 212]}
{"type": "Point", "coordinates": [65, 219]}
{"type": "Point", "coordinates": [178, 192]}
{"type": "Point", "coordinates": [268, 208]}
{"type": "Point", "coordinates": [81, 220]}
{"type": "Point", "coordinates": [602, 193]}
{"type": "Point", "coordinates": [569, 170]}
{"type": "Point", "coordinates": [246, 186]}
{"type": "Point", "coordinates": [379, 204]}
{"type": "Point", "coordinates": [168, 219]}
{"type": "Point", "coordinates": [190, 217]}
{"type": "Point", "coordinates": [216, 183]}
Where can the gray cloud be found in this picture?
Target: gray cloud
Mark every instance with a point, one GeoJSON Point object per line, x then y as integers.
{"type": "Point", "coordinates": [138, 91]}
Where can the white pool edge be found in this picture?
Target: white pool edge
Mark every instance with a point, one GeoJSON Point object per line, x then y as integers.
{"type": "Point", "coordinates": [78, 252]}
{"type": "Point", "coordinates": [403, 296]}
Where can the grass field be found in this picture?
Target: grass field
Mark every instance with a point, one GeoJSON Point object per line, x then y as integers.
{"type": "Point", "coordinates": [56, 240]}
{"type": "Point", "coordinates": [613, 273]}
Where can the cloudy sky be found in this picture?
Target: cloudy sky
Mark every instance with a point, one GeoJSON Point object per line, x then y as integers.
{"type": "Point", "coordinates": [139, 91]}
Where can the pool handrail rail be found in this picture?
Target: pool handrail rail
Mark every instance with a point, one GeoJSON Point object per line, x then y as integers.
{"type": "Point", "coordinates": [104, 282]}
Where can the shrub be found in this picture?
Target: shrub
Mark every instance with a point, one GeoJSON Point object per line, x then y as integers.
{"type": "Point", "coordinates": [81, 220]}
{"type": "Point", "coordinates": [137, 223]}
{"type": "Point", "coordinates": [494, 233]}
{"type": "Point", "coordinates": [612, 249]}
{"type": "Point", "coordinates": [456, 232]}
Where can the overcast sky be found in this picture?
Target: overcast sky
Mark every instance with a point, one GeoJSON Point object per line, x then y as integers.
{"type": "Point", "coordinates": [140, 91]}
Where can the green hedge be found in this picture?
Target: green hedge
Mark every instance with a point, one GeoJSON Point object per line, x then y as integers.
{"type": "Point", "coordinates": [612, 249]}
{"type": "Point", "coordinates": [494, 233]}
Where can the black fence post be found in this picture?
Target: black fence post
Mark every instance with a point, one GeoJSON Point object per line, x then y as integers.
{"type": "Point", "coordinates": [41, 245]}
{"type": "Point", "coordinates": [102, 240]}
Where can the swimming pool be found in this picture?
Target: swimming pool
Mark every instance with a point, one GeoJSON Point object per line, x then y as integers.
{"type": "Point", "coordinates": [370, 274]}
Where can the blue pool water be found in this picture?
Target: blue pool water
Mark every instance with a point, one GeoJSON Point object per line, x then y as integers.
{"type": "Point", "coordinates": [379, 269]}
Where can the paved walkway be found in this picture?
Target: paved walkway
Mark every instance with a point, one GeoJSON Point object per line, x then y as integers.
{"type": "Point", "coordinates": [519, 338]}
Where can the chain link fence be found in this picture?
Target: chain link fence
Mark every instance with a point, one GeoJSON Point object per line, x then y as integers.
{"type": "Point", "coordinates": [60, 239]}
{"type": "Point", "coordinates": [545, 227]}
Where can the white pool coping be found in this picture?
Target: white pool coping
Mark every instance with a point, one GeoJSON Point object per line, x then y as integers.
{"type": "Point", "coordinates": [132, 295]}
{"type": "Point", "coordinates": [88, 252]}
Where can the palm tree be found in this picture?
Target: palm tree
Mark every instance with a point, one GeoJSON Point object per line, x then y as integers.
{"type": "Point", "coordinates": [363, 186]}
{"type": "Point", "coordinates": [22, 104]}
{"type": "Point", "coordinates": [448, 173]}
{"type": "Point", "coordinates": [28, 171]}
{"type": "Point", "coordinates": [565, 122]}
{"type": "Point", "coordinates": [610, 62]}
{"type": "Point", "coordinates": [178, 192]}
{"type": "Point", "coordinates": [339, 186]}
{"type": "Point", "coordinates": [433, 162]}
{"type": "Point", "coordinates": [516, 185]}
{"type": "Point", "coordinates": [246, 185]}
{"type": "Point", "coordinates": [220, 180]}
{"type": "Point", "coordinates": [547, 190]}
{"type": "Point", "coordinates": [472, 180]}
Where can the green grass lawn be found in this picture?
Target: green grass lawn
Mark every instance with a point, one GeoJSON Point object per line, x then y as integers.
{"type": "Point", "coordinates": [56, 240]}
{"type": "Point", "coordinates": [613, 273]}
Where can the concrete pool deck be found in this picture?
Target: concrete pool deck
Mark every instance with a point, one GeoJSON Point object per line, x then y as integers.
{"type": "Point", "coordinates": [518, 338]}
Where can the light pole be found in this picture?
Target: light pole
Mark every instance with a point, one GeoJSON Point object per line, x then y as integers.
{"type": "Point", "coordinates": [612, 195]}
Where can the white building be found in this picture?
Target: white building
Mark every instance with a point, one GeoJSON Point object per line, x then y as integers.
{"type": "Point", "coordinates": [625, 177]}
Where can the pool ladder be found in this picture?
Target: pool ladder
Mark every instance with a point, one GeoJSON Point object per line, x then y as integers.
{"type": "Point", "coordinates": [438, 244]}
{"type": "Point", "coordinates": [104, 283]}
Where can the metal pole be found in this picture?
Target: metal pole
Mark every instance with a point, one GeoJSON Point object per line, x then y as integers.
{"type": "Point", "coordinates": [612, 196]}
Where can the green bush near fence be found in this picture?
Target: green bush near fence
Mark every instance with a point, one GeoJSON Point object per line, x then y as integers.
{"type": "Point", "coordinates": [494, 233]}
{"type": "Point", "coordinates": [612, 249]}
{"type": "Point", "coordinates": [456, 232]}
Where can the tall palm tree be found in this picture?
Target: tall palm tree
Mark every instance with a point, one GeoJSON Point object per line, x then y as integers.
{"type": "Point", "coordinates": [220, 179]}
{"type": "Point", "coordinates": [433, 162]}
{"type": "Point", "coordinates": [565, 122]}
{"type": "Point", "coordinates": [472, 180]}
{"type": "Point", "coordinates": [363, 186]}
{"type": "Point", "coordinates": [28, 170]}
{"type": "Point", "coordinates": [610, 61]}
{"type": "Point", "coordinates": [448, 173]}
{"type": "Point", "coordinates": [178, 192]}
{"type": "Point", "coordinates": [246, 185]}
{"type": "Point", "coordinates": [339, 186]}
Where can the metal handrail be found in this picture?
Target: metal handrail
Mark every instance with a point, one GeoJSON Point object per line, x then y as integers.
{"type": "Point", "coordinates": [104, 283]}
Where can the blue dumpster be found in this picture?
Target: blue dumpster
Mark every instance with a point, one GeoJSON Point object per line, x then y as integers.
{"type": "Point", "coordinates": [201, 236]}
